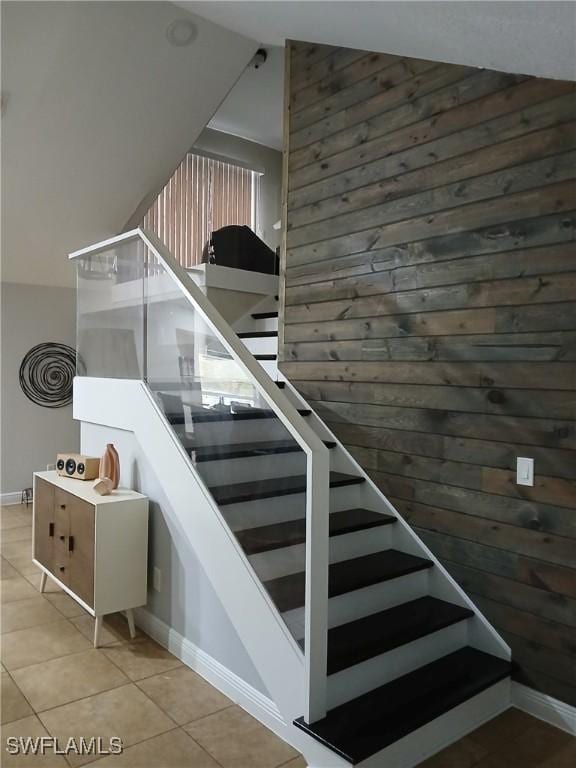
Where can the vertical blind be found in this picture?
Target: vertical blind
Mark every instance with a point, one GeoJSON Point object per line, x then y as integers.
{"type": "Point", "coordinates": [203, 195]}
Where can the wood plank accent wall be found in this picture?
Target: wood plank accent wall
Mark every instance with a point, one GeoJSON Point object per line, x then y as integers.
{"type": "Point", "coordinates": [429, 315]}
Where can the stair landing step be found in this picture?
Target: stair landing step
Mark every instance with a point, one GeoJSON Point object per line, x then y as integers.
{"type": "Point", "coordinates": [357, 641]}
{"type": "Point", "coordinates": [293, 532]}
{"type": "Point", "coordinates": [237, 493]}
{"type": "Point", "coordinates": [287, 592]}
{"type": "Point", "coordinates": [247, 450]}
{"type": "Point", "coordinates": [364, 726]}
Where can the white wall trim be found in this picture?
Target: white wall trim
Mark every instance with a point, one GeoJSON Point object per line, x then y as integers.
{"type": "Point", "coordinates": [544, 707]}
{"type": "Point", "coordinates": [222, 678]}
{"type": "Point", "coordinates": [13, 497]}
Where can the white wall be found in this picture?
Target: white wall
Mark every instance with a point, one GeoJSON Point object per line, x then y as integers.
{"type": "Point", "coordinates": [254, 108]}
{"type": "Point", "coordinates": [258, 158]}
{"type": "Point", "coordinates": [32, 435]}
{"type": "Point", "coordinates": [187, 602]}
{"type": "Point", "coordinates": [99, 108]}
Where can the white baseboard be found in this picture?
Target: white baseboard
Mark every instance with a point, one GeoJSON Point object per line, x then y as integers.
{"type": "Point", "coordinates": [544, 707]}
{"type": "Point", "coordinates": [226, 681]}
{"type": "Point", "coordinates": [7, 499]}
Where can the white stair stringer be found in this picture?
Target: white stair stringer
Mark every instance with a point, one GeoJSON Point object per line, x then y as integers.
{"type": "Point", "coordinates": [128, 404]}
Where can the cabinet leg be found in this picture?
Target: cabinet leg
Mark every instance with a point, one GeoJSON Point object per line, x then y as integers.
{"type": "Point", "coordinates": [97, 630]}
{"type": "Point", "coordinates": [131, 625]}
{"type": "Point", "coordinates": [42, 581]}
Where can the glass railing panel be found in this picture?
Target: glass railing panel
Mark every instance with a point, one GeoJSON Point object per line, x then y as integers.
{"type": "Point", "coordinates": [254, 468]}
{"type": "Point", "coordinates": [110, 312]}
{"type": "Point", "coordinates": [141, 317]}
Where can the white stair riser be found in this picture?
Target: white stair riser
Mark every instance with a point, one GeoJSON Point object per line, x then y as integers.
{"type": "Point", "coordinates": [266, 324]}
{"type": "Point", "coordinates": [252, 468]}
{"type": "Point", "coordinates": [364, 602]}
{"type": "Point", "coordinates": [271, 367]}
{"type": "Point", "coordinates": [281, 508]}
{"type": "Point", "coordinates": [229, 432]}
{"type": "Point", "coordinates": [370, 674]}
{"type": "Point", "coordinates": [281, 562]}
{"type": "Point", "coordinates": [262, 345]}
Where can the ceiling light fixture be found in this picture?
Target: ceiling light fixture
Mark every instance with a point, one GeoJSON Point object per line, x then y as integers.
{"type": "Point", "coordinates": [181, 32]}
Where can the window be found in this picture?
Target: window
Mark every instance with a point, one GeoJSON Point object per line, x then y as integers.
{"type": "Point", "coordinates": [203, 195]}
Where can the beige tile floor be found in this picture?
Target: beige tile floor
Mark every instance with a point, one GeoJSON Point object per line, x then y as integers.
{"type": "Point", "coordinates": [55, 684]}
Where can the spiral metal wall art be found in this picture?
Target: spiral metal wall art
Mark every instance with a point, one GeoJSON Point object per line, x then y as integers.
{"type": "Point", "coordinates": [46, 374]}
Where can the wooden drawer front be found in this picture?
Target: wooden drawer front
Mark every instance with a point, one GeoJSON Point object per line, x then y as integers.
{"type": "Point", "coordinates": [81, 550]}
{"type": "Point", "coordinates": [44, 523]}
{"type": "Point", "coordinates": [62, 503]}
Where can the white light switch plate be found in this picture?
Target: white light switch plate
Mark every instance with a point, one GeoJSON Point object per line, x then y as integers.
{"type": "Point", "coordinates": [524, 471]}
{"type": "Point", "coordinates": [157, 579]}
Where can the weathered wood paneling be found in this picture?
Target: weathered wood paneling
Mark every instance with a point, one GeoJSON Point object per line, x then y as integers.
{"type": "Point", "coordinates": [429, 315]}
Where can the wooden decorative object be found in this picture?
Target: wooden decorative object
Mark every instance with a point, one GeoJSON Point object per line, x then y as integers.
{"type": "Point", "coordinates": [110, 465]}
{"type": "Point", "coordinates": [103, 486]}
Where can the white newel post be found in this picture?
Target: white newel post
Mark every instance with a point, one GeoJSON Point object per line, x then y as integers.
{"type": "Point", "coordinates": [316, 609]}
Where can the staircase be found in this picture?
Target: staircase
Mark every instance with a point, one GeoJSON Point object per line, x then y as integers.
{"type": "Point", "coordinates": [397, 661]}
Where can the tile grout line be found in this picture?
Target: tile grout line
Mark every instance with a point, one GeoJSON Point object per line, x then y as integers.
{"type": "Point", "coordinates": [178, 726]}
{"type": "Point", "coordinates": [54, 658]}
{"type": "Point", "coordinates": [40, 712]}
{"type": "Point", "coordinates": [80, 698]}
{"type": "Point", "coordinates": [210, 755]}
{"type": "Point", "coordinates": [156, 704]}
{"type": "Point", "coordinates": [234, 704]}
{"type": "Point", "coordinates": [146, 677]}
{"type": "Point", "coordinates": [23, 696]}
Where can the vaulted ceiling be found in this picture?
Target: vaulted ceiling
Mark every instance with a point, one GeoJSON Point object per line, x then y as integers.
{"type": "Point", "coordinates": [100, 102]}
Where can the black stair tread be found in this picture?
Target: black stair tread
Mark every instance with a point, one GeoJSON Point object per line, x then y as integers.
{"type": "Point", "coordinates": [264, 315]}
{"type": "Point", "coordinates": [292, 532]}
{"type": "Point", "coordinates": [205, 414]}
{"type": "Point", "coordinates": [378, 633]}
{"type": "Point", "coordinates": [347, 576]}
{"type": "Point", "coordinates": [364, 726]}
{"type": "Point", "coordinates": [246, 450]}
{"type": "Point", "coordinates": [236, 493]}
{"type": "Point", "coordinates": [258, 335]}
{"type": "Point", "coordinates": [266, 357]}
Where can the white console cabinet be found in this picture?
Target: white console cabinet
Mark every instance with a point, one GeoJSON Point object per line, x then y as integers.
{"type": "Point", "coordinates": [94, 547]}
